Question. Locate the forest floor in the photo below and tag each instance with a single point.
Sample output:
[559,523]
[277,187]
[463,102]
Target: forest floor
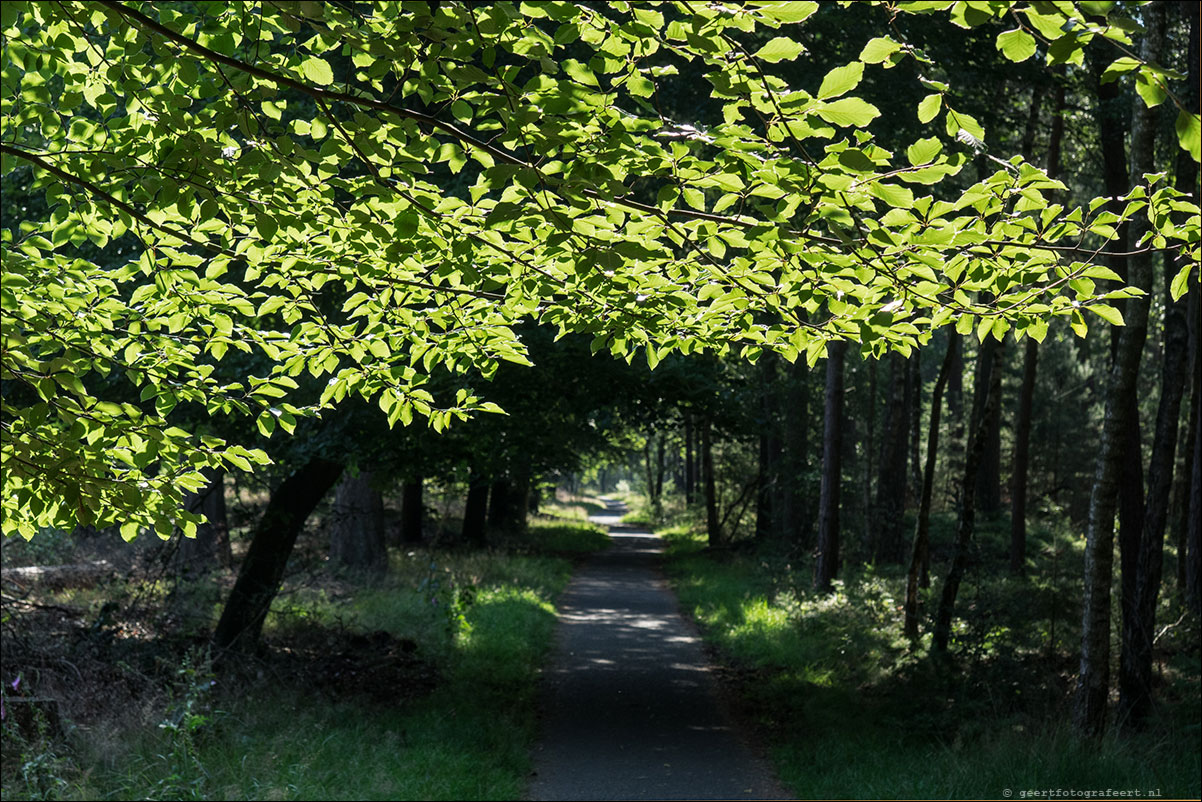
[632,706]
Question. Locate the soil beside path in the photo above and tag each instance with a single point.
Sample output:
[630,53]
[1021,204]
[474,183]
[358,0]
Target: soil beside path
[631,707]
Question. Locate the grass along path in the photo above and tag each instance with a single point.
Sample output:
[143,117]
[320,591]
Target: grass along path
[420,686]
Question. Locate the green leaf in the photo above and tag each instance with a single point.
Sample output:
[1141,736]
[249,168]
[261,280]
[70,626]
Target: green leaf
[1120,66]
[851,111]
[778,49]
[928,107]
[924,151]
[786,11]
[317,71]
[1180,283]
[1107,313]
[1189,133]
[1016,45]
[878,49]
[841,80]
[1150,88]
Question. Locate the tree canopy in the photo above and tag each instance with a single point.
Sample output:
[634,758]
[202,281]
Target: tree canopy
[363,192]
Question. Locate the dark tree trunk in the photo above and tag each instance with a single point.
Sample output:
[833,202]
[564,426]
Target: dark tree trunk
[1189,549]
[1093,681]
[1026,393]
[769,456]
[914,390]
[357,526]
[263,568]
[796,526]
[989,473]
[827,566]
[990,388]
[868,541]
[690,473]
[475,511]
[891,476]
[661,467]
[211,546]
[1135,664]
[1193,564]
[920,556]
[1022,460]
[412,511]
[500,504]
[713,527]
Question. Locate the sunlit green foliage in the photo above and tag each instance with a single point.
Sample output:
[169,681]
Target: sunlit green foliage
[361,194]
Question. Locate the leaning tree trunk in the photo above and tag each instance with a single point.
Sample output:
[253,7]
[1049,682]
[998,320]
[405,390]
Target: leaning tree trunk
[1093,681]
[990,388]
[1135,664]
[832,470]
[263,568]
[357,526]
[920,556]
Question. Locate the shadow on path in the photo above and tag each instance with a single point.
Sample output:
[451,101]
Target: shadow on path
[631,708]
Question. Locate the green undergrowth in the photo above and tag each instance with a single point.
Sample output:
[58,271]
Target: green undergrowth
[850,708]
[418,685]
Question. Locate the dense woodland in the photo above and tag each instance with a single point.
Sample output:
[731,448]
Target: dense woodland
[324,326]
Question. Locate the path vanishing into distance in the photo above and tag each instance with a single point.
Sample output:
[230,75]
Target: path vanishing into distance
[631,707]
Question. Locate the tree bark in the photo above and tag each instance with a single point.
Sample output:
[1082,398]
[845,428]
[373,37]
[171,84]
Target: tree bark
[989,472]
[832,470]
[357,526]
[989,386]
[891,478]
[796,525]
[1093,681]
[475,510]
[690,474]
[769,456]
[263,568]
[1135,663]
[412,511]
[1022,461]
[920,555]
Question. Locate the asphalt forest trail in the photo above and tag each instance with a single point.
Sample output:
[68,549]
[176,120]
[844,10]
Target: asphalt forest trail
[631,707]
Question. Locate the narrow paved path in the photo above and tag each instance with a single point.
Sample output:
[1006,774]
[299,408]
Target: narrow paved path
[631,708]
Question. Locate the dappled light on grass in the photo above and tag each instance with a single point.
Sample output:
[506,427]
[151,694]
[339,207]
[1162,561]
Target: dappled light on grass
[850,707]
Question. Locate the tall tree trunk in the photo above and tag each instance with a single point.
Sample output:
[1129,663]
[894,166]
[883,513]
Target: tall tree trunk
[690,474]
[989,472]
[357,525]
[500,504]
[989,386]
[1093,682]
[769,456]
[713,527]
[796,525]
[1026,394]
[412,511]
[832,469]
[263,568]
[1022,461]
[914,389]
[869,538]
[1135,664]
[660,468]
[891,476]
[475,510]
[1189,544]
[211,546]
[920,556]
